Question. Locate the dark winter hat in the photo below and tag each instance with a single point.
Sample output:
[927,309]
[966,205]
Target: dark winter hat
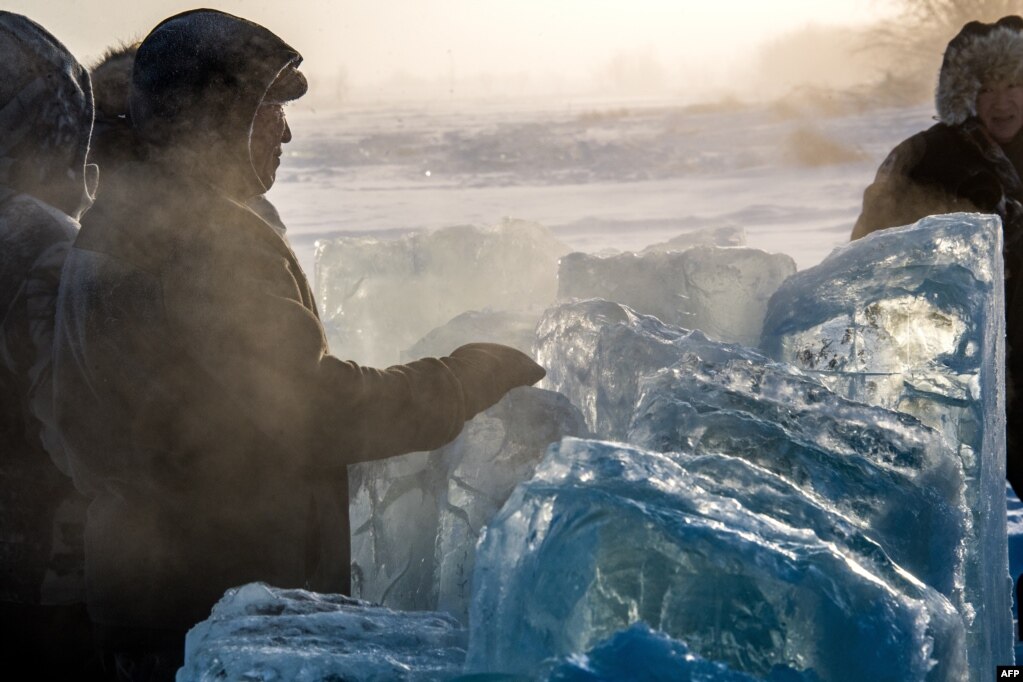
[290,85]
[979,53]
[198,79]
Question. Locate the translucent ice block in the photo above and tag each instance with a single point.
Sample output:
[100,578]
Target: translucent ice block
[912,318]
[639,654]
[512,328]
[721,291]
[606,535]
[595,353]
[893,478]
[378,297]
[416,518]
[258,632]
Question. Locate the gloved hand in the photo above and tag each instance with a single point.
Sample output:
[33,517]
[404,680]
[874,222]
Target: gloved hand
[489,370]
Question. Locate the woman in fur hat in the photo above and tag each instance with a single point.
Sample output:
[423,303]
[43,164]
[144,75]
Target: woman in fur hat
[971,160]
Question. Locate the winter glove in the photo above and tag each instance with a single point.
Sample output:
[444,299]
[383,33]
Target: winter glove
[489,370]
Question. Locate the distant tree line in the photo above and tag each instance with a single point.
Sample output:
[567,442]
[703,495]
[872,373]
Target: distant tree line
[920,30]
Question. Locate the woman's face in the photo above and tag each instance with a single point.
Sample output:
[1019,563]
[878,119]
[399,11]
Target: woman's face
[1000,109]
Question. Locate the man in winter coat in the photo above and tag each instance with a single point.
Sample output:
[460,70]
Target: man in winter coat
[46,116]
[113,138]
[971,160]
[200,408]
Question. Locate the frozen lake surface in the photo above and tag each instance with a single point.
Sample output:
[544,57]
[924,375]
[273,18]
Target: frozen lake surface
[601,176]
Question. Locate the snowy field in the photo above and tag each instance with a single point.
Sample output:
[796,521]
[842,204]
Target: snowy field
[599,175]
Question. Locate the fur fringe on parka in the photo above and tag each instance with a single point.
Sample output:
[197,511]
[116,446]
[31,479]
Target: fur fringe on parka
[111,80]
[113,140]
[979,53]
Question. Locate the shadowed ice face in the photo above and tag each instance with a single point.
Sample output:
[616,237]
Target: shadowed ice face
[269,132]
[1000,109]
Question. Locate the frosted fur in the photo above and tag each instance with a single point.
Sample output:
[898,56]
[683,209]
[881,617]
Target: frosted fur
[995,56]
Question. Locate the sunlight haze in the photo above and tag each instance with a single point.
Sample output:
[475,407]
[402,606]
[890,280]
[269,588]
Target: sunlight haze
[524,47]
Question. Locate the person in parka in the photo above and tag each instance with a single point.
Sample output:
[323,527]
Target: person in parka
[46,114]
[201,409]
[971,160]
[114,142]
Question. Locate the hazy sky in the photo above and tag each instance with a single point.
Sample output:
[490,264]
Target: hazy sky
[372,40]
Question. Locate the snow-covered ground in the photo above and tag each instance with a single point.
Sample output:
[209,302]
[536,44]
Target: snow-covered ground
[600,175]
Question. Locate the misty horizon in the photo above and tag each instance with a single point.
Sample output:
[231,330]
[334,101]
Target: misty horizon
[452,50]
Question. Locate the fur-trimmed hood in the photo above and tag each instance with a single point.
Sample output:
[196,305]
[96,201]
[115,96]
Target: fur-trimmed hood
[980,52]
[111,80]
[113,139]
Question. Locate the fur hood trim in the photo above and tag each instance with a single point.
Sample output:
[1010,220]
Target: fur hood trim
[979,53]
[111,80]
